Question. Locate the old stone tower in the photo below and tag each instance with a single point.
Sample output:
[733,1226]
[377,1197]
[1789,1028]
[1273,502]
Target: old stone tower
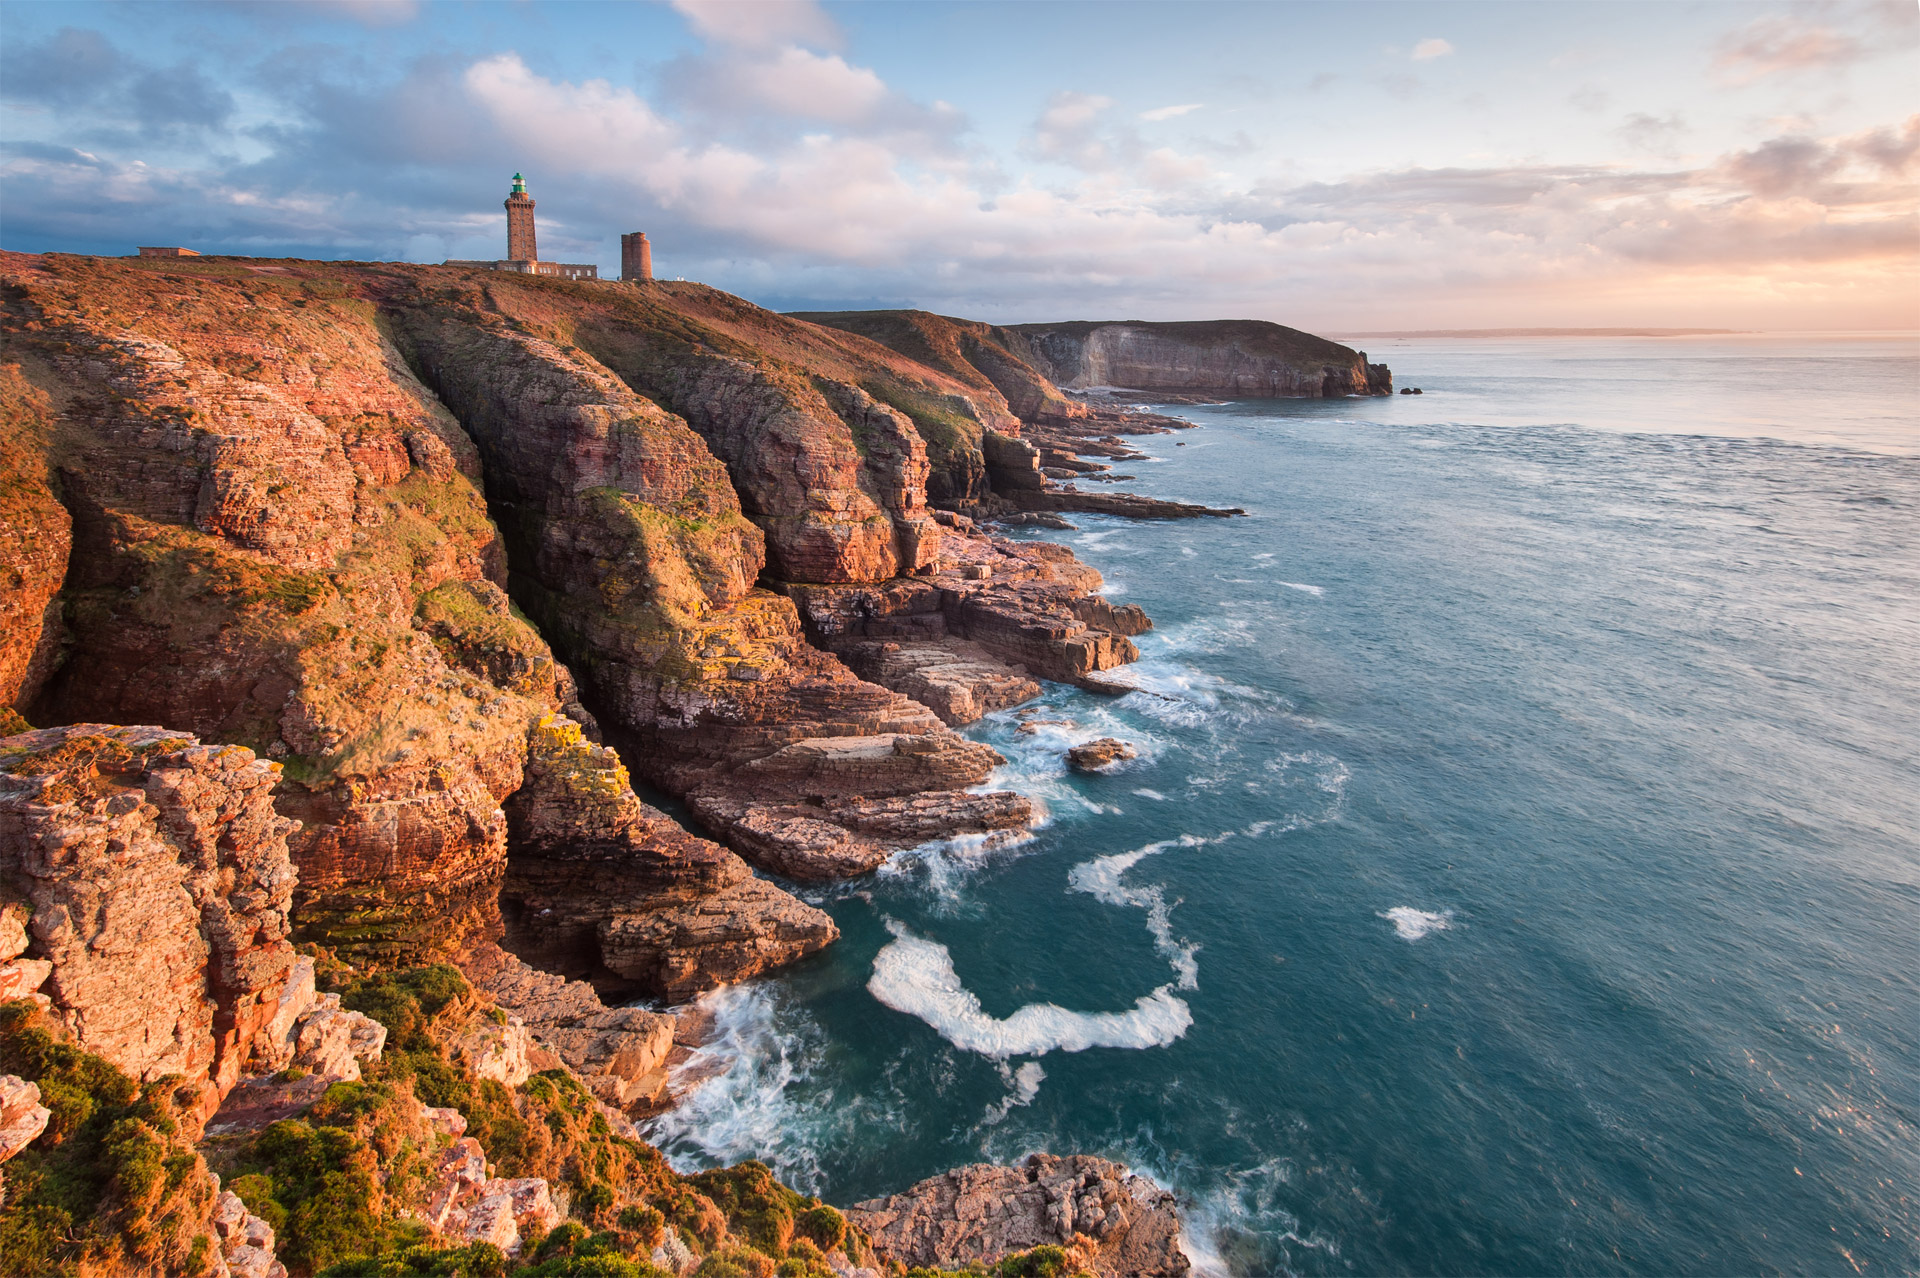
[520,245]
[636,257]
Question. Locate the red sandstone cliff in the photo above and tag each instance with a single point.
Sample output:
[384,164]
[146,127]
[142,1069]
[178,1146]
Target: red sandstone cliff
[282,543]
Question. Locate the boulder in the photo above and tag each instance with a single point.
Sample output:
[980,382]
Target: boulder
[22,1116]
[1095,756]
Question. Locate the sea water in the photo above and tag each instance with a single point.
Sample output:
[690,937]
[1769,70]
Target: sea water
[1520,873]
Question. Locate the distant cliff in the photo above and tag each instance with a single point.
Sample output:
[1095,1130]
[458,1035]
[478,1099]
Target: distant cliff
[1239,359]
[1029,364]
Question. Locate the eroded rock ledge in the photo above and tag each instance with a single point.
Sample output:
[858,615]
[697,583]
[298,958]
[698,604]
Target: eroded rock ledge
[1113,1221]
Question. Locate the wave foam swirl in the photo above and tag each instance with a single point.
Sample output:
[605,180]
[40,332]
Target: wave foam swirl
[914,975]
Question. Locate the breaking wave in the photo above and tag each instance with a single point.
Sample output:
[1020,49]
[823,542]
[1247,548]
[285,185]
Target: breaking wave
[740,1100]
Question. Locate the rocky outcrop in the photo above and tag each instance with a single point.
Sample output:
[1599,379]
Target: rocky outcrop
[711,684]
[955,678]
[620,1053]
[1096,756]
[1002,365]
[246,1241]
[1228,359]
[22,1116]
[601,884]
[158,879]
[1030,605]
[1123,1225]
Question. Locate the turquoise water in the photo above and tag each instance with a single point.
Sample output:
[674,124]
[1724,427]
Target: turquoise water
[1521,873]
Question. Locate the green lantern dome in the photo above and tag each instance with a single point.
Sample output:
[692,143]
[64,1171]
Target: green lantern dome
[519,185]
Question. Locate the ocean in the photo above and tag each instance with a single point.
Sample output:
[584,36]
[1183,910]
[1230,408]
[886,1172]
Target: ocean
[1521,870]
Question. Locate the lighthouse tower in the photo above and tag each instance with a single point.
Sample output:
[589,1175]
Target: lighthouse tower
[520,246]
[522,255]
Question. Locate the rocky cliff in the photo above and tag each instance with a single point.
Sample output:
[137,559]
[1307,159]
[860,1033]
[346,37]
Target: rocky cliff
[1030,364]
[1227,359]
[369,520]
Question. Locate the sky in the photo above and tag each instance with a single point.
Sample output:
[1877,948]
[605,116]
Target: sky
[1333,166]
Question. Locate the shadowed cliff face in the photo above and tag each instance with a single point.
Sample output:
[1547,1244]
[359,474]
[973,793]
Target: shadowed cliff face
[35,537]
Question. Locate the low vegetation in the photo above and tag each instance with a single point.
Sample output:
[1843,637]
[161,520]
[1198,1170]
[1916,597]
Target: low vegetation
[111,1187]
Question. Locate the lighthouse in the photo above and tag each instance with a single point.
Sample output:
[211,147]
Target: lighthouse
[520,245]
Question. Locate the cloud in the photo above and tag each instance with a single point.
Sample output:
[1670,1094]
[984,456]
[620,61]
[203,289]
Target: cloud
[821,180]
[1589,97]
[760,24]
[1069,132]
[1645,132]
[1896,151]
[1168,112]
[81,69]
[1776,45]
[1795,44]
[793,82]
[1428,50]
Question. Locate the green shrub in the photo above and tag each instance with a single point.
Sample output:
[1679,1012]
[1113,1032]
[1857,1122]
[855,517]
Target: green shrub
[476,1260]
[1045,1261]
[822,1225]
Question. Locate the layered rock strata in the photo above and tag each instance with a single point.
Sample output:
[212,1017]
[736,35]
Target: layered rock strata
[158,880]
[1029,606]
[1121,1225]
[601,883]
[631,550]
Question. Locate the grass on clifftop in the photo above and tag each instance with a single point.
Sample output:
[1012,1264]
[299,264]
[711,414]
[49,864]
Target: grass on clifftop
[111,1187]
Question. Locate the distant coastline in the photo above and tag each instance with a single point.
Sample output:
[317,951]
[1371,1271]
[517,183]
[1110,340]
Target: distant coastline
[1550,332]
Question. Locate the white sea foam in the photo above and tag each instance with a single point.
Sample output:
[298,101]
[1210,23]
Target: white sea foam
[1267,555]
[1023,1085]
[1101,879]
[945,865]
[1304,588]
[1410,924]
[914,975]
[1145,793]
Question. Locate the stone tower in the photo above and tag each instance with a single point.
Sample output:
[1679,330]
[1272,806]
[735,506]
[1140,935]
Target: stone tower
[636,257]
[520,247]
